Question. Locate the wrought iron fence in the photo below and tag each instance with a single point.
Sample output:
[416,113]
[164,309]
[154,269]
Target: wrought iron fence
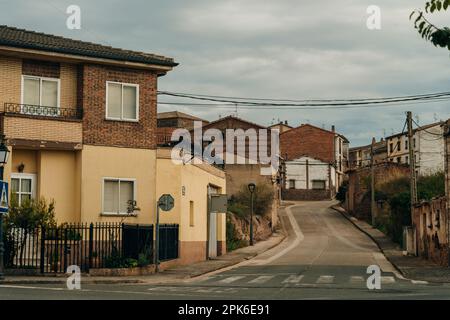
[99,245]
[168,241]
[44,111]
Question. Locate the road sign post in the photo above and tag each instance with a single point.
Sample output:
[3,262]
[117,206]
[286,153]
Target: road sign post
[165,203]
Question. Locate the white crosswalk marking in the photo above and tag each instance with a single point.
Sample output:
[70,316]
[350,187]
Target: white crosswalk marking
[387,280]
[231,279]
[356,279]
[261,279]
[325,279]
[293,279]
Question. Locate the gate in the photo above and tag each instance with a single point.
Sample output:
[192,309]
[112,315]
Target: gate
[138,242]
[168,241]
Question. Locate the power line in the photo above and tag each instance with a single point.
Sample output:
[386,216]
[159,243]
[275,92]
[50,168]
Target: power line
[421,128]
[300,107]
[301,100]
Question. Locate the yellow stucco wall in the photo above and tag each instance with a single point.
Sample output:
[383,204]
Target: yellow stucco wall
[99,162]
[194,180]
[26,157]
[56,180]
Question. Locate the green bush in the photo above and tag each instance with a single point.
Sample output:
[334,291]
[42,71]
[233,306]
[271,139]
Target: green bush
[241,202]
[397,194]
[233,242]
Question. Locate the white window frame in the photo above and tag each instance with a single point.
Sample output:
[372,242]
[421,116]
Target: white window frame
[58,98]
[104,179]
[28,176]
[121,108]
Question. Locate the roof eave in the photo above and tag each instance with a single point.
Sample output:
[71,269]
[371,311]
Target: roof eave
[51,55]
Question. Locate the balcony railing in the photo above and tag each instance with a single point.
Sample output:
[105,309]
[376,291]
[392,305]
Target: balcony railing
[43,111]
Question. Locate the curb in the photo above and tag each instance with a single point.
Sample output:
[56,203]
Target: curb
[250,257]
[346,216]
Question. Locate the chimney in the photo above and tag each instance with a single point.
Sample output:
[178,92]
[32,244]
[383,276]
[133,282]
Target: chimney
[333,128]
[285,122]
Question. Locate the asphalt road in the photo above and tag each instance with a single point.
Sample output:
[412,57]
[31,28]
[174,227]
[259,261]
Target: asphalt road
[323,257]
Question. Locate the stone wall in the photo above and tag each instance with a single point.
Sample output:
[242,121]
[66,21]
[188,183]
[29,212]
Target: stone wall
[358,196]
[430,220]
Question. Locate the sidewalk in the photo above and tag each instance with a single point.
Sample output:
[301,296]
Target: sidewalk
[174,274]
[414,268]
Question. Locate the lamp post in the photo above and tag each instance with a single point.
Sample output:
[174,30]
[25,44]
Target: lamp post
[4,152]
[251,188]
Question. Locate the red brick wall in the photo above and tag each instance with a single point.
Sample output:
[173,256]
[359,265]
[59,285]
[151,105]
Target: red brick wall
[307,140]
[99,131]
[40,68]
[234,123]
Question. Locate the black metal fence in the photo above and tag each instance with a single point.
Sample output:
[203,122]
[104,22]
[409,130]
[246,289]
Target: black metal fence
[99,245]
[168,241]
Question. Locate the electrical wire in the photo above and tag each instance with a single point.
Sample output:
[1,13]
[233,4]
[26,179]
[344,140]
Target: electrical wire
[208,97]
[292,107]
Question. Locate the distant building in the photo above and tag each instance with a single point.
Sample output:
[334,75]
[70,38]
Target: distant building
[238,176]
[361,156]
[315,162]
[281,126]
[167,122]
[428,144]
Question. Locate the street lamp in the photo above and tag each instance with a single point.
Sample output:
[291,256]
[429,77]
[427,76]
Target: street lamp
[251,188]
[4,152]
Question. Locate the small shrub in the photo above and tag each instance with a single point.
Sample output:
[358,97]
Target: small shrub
[233,242]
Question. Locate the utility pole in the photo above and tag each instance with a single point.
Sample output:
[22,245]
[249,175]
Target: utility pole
[447,180]
[373,205]
[412,164]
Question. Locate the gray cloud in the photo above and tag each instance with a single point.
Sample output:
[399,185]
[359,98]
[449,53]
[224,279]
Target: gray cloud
[284,49]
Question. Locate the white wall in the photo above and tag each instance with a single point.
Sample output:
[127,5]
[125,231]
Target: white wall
[318,170]
[430,150]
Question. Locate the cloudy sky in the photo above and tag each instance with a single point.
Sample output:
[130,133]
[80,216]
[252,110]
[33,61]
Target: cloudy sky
[290,49]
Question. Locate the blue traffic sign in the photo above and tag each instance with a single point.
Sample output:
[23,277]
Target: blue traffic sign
[4,197]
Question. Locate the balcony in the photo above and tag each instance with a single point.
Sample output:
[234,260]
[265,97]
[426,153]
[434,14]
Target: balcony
[39,127]
[42,111]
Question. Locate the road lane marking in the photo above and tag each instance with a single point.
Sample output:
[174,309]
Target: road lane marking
[299,237]
[419,282]
[387,280]
[325,279]
[293,279]
[356,279]
[261,279]
[31,288]
[231,279]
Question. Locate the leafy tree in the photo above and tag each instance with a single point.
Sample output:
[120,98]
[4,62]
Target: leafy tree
[439,36]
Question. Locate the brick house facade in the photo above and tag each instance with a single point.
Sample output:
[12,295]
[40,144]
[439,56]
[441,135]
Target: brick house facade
[80,121]
[327,147]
